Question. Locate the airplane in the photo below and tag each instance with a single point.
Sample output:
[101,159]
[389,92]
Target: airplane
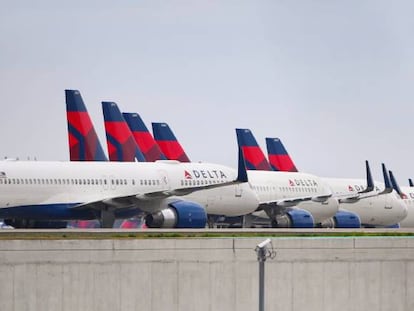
[36,191]
[407,195]
[299,192]
[372,209]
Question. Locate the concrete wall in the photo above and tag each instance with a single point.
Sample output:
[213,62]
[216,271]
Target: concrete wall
[207,274]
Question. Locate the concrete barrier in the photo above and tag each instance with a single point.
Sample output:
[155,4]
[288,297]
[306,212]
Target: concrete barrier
[207,274]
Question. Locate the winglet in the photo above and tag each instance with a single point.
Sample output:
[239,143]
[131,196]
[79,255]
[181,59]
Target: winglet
[396,186]
[253,155]
[410,182]
[370,181]
[143,137]
[84,143]
[121,143]
[388,186]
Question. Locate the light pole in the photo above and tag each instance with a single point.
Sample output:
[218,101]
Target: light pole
[263,253]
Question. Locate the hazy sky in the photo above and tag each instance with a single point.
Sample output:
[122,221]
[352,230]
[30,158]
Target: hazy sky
[333,79]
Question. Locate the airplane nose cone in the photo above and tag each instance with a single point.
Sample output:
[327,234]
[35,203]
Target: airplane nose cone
[404,208]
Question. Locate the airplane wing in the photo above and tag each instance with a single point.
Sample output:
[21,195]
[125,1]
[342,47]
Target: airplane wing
[119,202]
[369,191]
[289,202]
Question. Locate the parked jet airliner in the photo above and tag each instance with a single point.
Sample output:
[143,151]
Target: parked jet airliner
[407,195]
[108,190]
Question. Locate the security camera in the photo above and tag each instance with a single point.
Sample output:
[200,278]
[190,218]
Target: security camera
[264,243]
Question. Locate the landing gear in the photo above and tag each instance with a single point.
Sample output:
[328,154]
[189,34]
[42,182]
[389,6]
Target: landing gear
[107,218]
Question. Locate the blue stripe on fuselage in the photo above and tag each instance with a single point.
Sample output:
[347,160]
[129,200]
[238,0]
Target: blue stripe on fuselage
[60,211]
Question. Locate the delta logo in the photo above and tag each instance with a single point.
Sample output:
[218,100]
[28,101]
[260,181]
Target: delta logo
[187,175]
[206,174]
[303,183]
[356,188]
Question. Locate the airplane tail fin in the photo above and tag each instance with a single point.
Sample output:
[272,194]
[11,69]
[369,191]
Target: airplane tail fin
[84,143]
[253,155]
[410,182]
[121,142]
[168,143]
[143,137]
[279,158]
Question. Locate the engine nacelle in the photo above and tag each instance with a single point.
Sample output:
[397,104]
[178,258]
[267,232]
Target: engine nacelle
[295,218]
[343,219]
[178,214]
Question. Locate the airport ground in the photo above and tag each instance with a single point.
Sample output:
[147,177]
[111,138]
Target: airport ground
[319,269]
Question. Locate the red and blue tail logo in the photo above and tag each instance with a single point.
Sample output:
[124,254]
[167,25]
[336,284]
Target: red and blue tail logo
[279,159]
[84,144]
[143,137]
[253,156]
[168,143]
[121,143]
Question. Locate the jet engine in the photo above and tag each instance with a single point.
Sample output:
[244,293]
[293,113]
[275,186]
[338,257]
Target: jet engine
[178,214]
[294,218]
[343,219]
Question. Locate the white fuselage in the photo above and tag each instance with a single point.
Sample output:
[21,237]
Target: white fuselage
[381,210]
[274,185]
[408,222]
[26,183]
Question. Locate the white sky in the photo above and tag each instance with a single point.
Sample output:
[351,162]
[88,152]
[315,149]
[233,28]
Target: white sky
[333,79]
